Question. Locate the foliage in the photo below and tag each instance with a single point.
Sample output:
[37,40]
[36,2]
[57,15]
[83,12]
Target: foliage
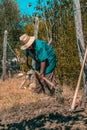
[84,19]
[29,29]
[10,14]
[64,42]
[61,22]
[9,20]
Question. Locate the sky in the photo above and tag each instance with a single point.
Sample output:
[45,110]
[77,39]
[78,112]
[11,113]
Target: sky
[23,6]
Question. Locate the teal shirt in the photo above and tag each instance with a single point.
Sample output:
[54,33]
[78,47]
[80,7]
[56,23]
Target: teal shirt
[42,51]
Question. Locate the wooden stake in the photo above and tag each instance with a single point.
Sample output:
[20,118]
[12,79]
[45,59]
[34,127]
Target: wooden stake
[4,55]
[23,83]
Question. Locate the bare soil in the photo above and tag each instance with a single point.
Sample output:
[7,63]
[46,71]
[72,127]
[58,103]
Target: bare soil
[22,109]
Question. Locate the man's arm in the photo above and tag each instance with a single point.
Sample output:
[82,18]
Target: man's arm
[42,67]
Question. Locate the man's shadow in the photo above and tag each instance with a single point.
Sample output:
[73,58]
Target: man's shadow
[39,122]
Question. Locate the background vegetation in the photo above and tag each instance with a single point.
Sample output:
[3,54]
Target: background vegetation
[56,26]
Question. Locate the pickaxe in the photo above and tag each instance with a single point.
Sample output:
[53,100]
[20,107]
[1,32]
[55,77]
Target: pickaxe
[44,78]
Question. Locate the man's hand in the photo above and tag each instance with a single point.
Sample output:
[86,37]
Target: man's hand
[41,77]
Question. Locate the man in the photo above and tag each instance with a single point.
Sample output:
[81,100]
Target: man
[45,61]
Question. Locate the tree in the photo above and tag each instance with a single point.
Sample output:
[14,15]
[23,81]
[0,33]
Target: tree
[47,12]
[10,13]
[9,20]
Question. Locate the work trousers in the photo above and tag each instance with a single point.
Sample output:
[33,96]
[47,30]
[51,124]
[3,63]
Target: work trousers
[42,86]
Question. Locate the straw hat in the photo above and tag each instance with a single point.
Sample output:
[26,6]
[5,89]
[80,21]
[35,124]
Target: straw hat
[26,40]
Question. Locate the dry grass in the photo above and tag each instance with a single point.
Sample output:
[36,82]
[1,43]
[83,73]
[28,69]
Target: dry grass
[69,92]
[11,95]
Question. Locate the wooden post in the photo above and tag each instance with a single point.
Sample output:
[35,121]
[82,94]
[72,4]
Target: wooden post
[4,55]
[36,35]
[36,27]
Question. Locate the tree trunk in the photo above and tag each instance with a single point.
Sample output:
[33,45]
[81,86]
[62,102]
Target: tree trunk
[4,55]
[36,35]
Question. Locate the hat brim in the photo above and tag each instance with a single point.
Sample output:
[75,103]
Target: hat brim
[28,44]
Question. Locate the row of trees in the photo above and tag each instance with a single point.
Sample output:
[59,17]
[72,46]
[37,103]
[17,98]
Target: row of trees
[56,26]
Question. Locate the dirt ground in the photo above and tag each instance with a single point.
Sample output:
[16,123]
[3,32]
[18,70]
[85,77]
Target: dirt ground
[22,109]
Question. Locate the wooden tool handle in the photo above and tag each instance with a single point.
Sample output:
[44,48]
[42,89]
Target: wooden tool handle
[79,80]
[23,83]
[45,79]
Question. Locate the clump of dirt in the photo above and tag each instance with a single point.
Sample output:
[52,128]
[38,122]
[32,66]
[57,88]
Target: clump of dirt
[22,109]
